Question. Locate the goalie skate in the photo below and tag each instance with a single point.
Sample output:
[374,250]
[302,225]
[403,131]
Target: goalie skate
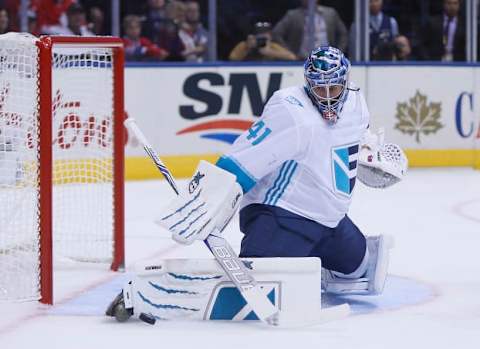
[117,309]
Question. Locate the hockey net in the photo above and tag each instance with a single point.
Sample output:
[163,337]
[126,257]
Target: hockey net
[61,158]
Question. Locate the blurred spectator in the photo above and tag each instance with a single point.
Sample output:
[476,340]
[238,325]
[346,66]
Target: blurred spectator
[384,51]
[175,10]
[138,48]
[193,34]
[96,23]
[32,23]
[260,47]
[156,15]
[12,8]
[403,49]
[397,50]
[4,21]
[383,30]
[76,23]
[51,14]
[292,31]
[444,36]
[162,30]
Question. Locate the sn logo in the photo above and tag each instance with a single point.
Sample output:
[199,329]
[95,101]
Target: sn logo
[239,83]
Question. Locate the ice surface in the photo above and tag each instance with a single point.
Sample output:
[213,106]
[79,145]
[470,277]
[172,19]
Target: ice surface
[434,215]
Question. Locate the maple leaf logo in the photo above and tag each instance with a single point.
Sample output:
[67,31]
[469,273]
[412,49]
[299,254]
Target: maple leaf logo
[416,117]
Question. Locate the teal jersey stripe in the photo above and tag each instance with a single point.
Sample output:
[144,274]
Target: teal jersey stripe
[270,191]
[245,179]
[279,185]
[291,171]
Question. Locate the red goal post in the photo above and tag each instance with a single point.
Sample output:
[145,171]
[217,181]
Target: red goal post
[45,45]
[66,153]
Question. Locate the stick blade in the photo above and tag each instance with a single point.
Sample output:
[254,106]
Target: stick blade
[324,316]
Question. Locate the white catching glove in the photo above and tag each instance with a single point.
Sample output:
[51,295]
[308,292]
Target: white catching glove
[380,164]
[209,201]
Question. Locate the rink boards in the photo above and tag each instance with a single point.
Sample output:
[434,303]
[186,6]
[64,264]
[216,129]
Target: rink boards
[193,112]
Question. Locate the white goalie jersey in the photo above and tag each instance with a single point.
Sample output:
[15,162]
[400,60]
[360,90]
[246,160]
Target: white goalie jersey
[294,159]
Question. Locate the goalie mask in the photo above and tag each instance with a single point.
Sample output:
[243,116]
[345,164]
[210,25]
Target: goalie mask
[326,77]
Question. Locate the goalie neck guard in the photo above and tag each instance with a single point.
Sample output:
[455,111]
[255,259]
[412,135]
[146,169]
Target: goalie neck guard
[326,77]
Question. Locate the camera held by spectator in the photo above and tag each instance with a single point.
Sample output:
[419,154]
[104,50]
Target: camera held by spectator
[397,50]
[259,46]
[403,49]
[261,40]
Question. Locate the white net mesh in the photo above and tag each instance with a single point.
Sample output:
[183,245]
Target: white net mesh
[19,253]
[83,153]
[83,195]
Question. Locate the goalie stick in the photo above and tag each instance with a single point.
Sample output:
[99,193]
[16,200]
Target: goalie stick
[232,265]
[222,251]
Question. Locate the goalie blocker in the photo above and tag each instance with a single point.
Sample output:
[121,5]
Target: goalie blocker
[198,289]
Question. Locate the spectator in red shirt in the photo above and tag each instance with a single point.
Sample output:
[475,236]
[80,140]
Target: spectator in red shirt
[50,13]
[76,23]
[138,48]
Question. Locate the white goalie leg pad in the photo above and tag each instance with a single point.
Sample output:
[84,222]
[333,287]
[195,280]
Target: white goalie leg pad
[372,281]
[198,289]
[379,248]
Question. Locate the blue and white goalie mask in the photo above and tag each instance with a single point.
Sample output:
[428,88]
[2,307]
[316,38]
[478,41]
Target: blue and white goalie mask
[326,77]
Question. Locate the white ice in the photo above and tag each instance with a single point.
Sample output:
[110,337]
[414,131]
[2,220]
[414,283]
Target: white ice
[434,215]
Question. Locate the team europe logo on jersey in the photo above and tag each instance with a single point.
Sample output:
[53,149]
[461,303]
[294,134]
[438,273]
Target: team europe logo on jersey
[344,168]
